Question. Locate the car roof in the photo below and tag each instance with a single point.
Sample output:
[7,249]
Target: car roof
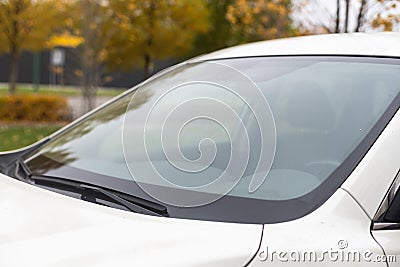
[384,44]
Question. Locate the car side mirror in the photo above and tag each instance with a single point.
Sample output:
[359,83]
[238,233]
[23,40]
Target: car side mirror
[388,215]
[393,212]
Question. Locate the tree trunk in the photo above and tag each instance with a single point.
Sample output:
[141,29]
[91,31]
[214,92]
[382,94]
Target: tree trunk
[13,73]
[149,43]
[89,99]
[360,19]
[147,65]
[89,55]
[337,28]
[90,83]
[346,24]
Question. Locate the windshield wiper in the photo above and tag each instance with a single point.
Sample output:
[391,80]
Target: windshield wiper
[8,158]
[151,207]
[89,192]
[22,171]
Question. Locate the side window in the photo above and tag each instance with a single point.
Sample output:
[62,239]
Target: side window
[388,215]
[393,212]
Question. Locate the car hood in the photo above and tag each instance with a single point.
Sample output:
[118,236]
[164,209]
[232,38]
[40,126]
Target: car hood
[43,228]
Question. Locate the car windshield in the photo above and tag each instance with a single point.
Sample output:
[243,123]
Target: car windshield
[251,140]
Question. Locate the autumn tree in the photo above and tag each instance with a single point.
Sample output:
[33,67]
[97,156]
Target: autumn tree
[96,30]
[153,30]
[314,16]
[387,15]
[89,22]
[219,33]
[254,20]
[25,25]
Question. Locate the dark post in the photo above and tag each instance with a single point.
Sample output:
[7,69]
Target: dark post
[36,71]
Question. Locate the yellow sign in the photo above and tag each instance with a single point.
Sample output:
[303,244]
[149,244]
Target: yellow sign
[65,40]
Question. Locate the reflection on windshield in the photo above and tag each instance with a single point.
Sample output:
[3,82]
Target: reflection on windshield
[63,157]
[322,109]
[89,133]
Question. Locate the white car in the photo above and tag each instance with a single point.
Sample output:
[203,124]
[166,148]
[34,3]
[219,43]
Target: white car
[265,154]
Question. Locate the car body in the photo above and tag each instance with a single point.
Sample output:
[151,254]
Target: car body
[312,130]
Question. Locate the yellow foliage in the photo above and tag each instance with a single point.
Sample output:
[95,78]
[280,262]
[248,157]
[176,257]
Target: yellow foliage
[154,28]
[33,108]
[388,18]
[260,19]
[27,24]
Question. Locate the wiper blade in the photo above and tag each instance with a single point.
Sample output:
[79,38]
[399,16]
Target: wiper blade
[160,211]
[91,193]
[132,203]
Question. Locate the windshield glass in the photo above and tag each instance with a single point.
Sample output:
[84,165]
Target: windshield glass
[263,133]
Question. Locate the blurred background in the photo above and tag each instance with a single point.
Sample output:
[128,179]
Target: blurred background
[61,58]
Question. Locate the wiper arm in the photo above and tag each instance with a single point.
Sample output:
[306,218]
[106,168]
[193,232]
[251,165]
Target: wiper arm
[88,193]
[161,211]
[22,172]
[6,158]
[132,203]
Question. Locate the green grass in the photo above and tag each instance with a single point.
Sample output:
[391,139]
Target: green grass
[13,137]
[62,91]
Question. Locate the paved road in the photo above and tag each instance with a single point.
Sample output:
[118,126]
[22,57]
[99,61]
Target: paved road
[76,104]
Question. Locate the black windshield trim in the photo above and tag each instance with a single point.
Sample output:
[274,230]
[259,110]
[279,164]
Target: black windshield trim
[333,57]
